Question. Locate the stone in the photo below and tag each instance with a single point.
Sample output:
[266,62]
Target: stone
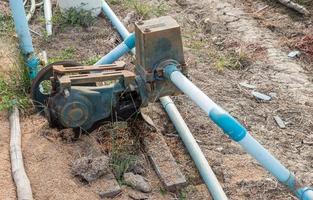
[90,169]
[137,195]
[294,54]
[261,96]
[246,85]
[182,2]
[279,122]
[110,192]
[137,182]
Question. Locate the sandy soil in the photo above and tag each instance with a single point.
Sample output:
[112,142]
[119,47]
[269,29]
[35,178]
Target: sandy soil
[7,187]
[211,29]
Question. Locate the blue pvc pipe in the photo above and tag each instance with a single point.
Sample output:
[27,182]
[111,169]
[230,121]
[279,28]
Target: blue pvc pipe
[22,30]
[237,132]
[114,20]
[119,51]
[21,26]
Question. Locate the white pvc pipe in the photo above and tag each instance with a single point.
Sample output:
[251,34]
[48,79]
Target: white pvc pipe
[194,150]
[48,16]
[197,96]
[257,151]
[24,191]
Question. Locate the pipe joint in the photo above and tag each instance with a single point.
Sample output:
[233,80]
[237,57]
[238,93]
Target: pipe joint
[168,70]
[130,41]
[305,193]
[228,124]
[32,63]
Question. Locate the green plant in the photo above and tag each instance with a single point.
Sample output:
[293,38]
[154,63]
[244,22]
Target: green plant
[114,2]
[182,195]
[65,54]
[121,163]
[73,17]
[236,60]
[6,23]
[14,89]
[91,60]
[145,10]
[163,191]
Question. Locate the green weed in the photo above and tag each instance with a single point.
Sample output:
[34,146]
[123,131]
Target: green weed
[236,60]
[66,54]
[14,89]
[91,60]
[73,17]
[182,195]
[6,24]
[143,9]
[121,163]
[163,191]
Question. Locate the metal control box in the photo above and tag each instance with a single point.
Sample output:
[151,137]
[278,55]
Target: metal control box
[157,40]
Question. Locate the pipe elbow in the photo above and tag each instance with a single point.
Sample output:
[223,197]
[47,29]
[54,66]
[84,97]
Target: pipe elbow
[228,124]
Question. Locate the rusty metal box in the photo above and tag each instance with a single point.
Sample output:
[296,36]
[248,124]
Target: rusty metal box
[157,40]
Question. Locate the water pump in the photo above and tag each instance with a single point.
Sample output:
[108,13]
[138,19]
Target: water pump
[82,95]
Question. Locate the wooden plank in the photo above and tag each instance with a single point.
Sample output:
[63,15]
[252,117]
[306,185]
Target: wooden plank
[161,158]
[68,80]
[60,69]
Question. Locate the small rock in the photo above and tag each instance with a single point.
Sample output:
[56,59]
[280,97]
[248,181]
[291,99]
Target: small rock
[280,122]
[207,25]
[112,192]
[137,182]
[261,96]
[138,195]
[273,94]
[91,169]
[308,142]
[138,169]
[182,2]
[294,54]
[219,149]
[246,85]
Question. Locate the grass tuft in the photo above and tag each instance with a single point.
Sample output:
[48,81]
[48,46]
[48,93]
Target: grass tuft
[236,60]
[14,89]
[65,54]
[6,24]
[143,9]
[73,17]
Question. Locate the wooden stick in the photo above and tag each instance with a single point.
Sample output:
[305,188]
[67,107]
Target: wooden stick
[295,6]
[21,180]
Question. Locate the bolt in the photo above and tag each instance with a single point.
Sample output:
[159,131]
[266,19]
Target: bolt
[147,30]
[66,93]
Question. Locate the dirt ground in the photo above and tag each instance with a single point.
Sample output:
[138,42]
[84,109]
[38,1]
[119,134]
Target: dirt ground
[263,33]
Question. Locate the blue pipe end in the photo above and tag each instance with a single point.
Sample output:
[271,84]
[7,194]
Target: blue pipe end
[228,124]
[32,63]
